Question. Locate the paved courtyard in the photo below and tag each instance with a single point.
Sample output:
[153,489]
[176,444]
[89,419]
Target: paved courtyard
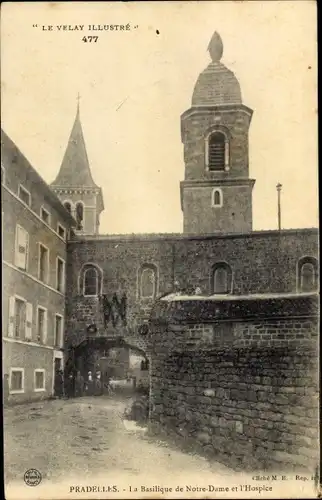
[86,441]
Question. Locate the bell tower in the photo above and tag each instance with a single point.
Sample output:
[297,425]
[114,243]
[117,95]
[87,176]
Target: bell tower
[74,184]
[216,194]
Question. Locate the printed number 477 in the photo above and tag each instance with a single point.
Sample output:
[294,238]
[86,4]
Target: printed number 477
[90,38]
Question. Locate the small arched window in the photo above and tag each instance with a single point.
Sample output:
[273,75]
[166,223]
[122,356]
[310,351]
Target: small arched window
[79,215]
[221,278]
[148,282]
[90,280]
[217,151]
[216,198]
[68,206]
[307,274]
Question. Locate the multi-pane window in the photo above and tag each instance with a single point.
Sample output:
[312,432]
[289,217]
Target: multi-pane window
[43,263]
[45,215]
[58,330]
[148,283]
[24,195]
[90,281]
[16,380]
[19,318]
[39,380]
[41,325]
[60,275]
[22,243]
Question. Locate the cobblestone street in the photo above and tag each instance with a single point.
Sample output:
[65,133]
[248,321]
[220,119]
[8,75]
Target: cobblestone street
[86,441]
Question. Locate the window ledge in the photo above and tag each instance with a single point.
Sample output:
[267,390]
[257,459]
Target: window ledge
[40,390]
[18,391]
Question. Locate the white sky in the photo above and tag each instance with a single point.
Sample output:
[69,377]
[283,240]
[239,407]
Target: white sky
[135,152]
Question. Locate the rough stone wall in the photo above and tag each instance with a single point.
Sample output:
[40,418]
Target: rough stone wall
[268,264]
[235,214]
[246,393]
[195,125]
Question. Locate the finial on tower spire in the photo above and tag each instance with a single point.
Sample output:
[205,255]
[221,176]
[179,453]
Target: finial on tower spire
[78,99]
[216,47]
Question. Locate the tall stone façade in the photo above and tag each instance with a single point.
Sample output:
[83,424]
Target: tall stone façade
[216,194]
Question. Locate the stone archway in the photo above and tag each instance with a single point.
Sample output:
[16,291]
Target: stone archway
[108,358]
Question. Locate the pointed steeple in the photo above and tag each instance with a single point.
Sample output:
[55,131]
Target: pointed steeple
[74,184]
[75,170]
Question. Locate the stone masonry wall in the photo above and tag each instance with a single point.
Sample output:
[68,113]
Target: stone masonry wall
[196,124]
[244,392]
[268,264]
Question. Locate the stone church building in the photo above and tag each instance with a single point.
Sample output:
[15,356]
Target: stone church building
[112,281]
[217,253]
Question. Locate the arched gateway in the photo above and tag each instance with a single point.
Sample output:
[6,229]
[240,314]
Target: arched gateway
[109,350]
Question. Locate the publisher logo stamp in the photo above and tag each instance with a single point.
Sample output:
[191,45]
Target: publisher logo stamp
[32,477]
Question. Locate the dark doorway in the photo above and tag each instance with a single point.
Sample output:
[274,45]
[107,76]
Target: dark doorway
[58,364]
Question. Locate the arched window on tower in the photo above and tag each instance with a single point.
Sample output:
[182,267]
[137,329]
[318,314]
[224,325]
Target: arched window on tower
[307,274]
[216,198]
[68,206]
[217,151]
[221,278]
[90,280]
[148,282]
[79,215]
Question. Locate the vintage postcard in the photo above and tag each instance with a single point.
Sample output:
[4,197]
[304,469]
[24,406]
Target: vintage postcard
[160,265]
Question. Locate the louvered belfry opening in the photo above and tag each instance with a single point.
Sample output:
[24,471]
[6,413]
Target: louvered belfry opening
[216,151]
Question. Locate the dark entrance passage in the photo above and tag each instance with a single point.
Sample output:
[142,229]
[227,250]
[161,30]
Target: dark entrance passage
[104,363]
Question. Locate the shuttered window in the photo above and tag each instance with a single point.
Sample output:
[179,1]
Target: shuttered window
[41,325]
[22,244]
[28,327]
[216,151]
[19,318]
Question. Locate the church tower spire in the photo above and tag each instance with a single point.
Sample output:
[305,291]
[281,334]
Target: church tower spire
[216,194]
[74,184]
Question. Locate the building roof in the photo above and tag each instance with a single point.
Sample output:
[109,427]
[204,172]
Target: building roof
[75,170]
[151,237]
[216,85]
[13,153]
